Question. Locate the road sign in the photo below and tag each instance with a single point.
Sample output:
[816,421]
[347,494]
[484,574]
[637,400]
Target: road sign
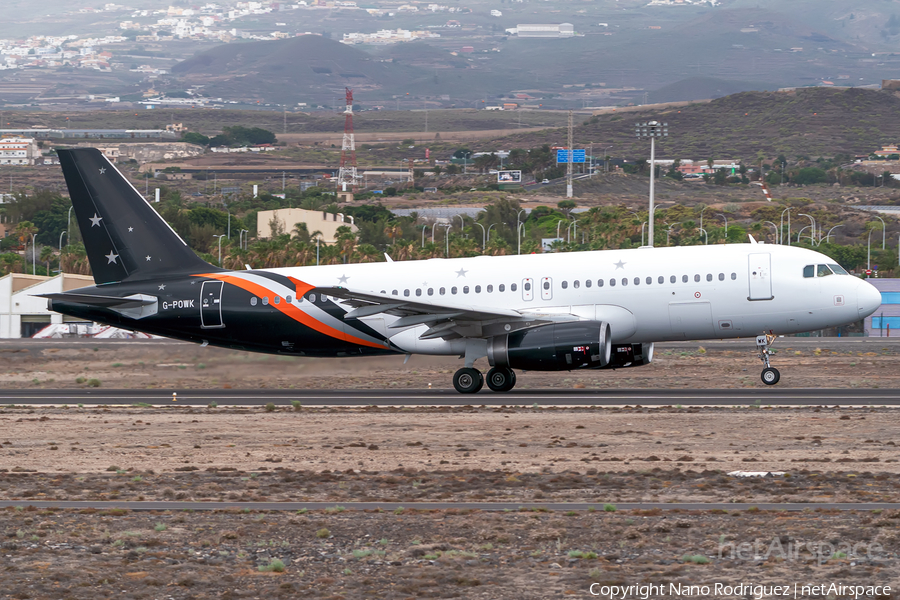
[509,176]
[578,156]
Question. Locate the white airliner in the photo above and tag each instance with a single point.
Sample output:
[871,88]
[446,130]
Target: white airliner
[548,312]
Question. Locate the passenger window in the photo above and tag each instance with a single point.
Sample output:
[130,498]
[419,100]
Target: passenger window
[418,292]
[637,281]
[612,283]
[501,287]
[490,289]
[587,283]
[277,299]
[709,276]
[312,298]
[431,291]
[661,280]
[599,283]
[575,284]
[733,276]
[253,301]
[823,271]
[673,279]
[453,290]
[547,285]
[624,281]
[684,279]
[721,276]
[649,280]
[838,269]
[512,287]
[477,289]
[394,293]
[697,277]
[527,286]
[465,289]
[266,299]
[288,299]
[565,284]
[406,292]
[443,291]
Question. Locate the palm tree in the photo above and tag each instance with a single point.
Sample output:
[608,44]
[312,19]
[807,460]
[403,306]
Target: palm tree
[46,255]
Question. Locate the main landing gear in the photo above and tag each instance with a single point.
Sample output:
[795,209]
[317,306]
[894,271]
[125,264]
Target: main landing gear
[770,375]
[469,380]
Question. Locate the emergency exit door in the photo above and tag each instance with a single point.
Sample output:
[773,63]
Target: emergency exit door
[211,304]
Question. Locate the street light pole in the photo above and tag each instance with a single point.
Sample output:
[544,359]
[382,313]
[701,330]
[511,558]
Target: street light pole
[447,237]
[653,130]
[828,237]
[62,233]
[812,224]
[33,255]
[483,237]
[520,228]
[774,226]
[492,224]
[781,228]
[883,231]
[801,231]
[517,229]
[701,216]
[705,237]
[869,251]
[726,226]
[643,225]
[69,224]
[220,248]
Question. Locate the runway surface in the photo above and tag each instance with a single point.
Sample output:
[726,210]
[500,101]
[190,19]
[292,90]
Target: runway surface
[391,506]
[549,397]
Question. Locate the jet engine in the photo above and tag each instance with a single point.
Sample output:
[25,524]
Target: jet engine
[630,355]
[553,347]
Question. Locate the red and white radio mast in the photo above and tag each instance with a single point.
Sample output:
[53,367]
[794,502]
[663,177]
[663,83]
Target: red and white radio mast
[347,177]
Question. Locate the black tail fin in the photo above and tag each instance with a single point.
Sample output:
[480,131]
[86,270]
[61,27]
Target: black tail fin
[124,237]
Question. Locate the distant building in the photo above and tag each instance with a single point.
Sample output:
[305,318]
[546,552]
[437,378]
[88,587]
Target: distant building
[885,320]
[887,150]
[285,219]
[545,31]
[22,314]
[18,151]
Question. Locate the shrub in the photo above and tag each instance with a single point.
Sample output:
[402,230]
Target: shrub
[270,407]
[296,404]
[160,527]
[609,507]
[323,533]
[213,404]
[697,559]
[275,566]
[93,382]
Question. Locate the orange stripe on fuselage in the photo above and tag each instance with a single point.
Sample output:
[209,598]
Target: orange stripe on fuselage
[289,309]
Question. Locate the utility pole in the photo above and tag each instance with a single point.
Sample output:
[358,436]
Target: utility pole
[571,156]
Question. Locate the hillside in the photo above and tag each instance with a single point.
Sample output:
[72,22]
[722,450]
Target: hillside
[809,121]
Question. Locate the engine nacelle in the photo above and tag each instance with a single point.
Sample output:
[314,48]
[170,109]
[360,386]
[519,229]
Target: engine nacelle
[630,355]
[553,347]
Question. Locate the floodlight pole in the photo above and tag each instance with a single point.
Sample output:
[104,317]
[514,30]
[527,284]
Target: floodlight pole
[571,158]
[653,130]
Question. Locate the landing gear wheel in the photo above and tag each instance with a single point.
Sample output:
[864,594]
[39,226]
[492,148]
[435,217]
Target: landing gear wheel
[770,376]
[468,380]
[501,379]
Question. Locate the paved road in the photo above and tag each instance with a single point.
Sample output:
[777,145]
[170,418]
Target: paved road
[504,506]
[549,397]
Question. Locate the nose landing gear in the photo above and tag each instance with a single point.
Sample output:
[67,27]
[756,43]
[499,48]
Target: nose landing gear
[770,374]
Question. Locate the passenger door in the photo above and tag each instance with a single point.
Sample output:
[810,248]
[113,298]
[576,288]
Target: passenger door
[760,276]
[211,305]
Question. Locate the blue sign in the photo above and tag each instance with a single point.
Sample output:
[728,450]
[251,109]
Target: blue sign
[578,156]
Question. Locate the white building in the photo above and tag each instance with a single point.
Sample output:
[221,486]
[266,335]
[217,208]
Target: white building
[285,219]
[18,151]
[546,30]
[22,314]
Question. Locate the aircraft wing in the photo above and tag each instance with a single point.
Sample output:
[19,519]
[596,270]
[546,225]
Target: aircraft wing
[446,320]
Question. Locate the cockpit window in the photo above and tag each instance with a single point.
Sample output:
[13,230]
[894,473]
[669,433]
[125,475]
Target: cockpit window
[823,271]
[838,269]
[809,271]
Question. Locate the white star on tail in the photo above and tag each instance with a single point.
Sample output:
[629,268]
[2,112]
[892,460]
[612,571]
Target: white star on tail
[162,286]
[102,170]
[95,220]
[111,257]
[148,259]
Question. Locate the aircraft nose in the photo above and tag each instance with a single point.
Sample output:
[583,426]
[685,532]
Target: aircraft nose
[868,299]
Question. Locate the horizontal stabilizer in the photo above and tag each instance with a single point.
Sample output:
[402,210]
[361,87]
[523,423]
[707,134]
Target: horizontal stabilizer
[133,301]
